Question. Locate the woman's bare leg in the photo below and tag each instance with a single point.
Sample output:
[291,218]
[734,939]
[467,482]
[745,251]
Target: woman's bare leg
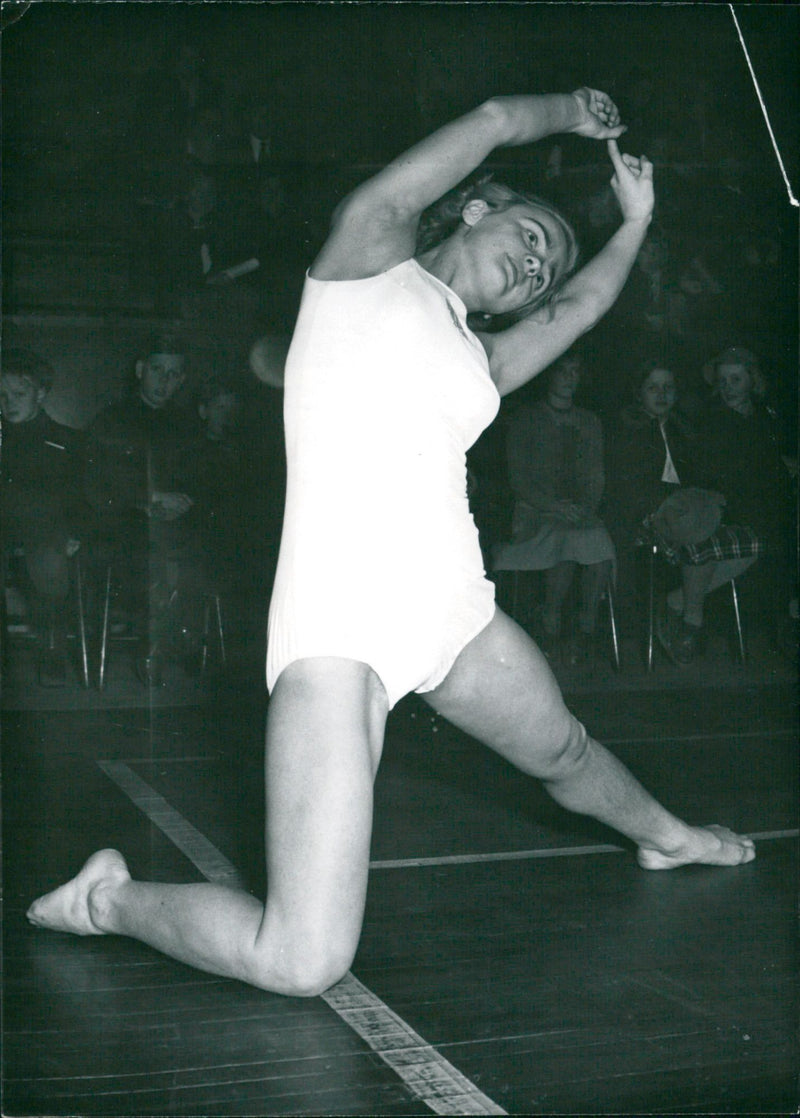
[502,692]
[324,741]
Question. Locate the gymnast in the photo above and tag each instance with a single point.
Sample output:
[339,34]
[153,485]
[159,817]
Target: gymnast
[380,588]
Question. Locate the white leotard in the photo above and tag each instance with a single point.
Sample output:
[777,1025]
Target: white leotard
[385,390]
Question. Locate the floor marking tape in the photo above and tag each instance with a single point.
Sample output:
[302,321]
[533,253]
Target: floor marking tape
[542,852]
[671,739]
[427,1074]
[187,838]
[499,856]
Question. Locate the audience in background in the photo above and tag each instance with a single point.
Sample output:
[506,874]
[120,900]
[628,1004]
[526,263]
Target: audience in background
[222,475]
[215,191]
[749,455]
[142,481]
[556,474]
[178,111]
[41,513]
[657,474]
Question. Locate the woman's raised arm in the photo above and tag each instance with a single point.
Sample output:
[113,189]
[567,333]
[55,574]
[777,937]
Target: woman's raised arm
[375,227]
[521,352]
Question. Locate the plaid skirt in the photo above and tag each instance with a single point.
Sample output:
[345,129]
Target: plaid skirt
[730,541]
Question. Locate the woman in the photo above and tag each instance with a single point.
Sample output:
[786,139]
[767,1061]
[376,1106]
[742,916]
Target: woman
[752,459]
[555,467]
[746,451]
[386,386]
[653,457]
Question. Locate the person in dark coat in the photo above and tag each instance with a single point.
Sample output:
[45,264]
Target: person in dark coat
[749,454]
[41,504]
[653,456]
[142,481]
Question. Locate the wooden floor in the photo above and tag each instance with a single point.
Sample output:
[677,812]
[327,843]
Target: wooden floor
[514,959]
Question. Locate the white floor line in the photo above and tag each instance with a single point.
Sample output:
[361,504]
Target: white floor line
[187,838]
[541,852]
[673,739]
[427,1074]
[498,856]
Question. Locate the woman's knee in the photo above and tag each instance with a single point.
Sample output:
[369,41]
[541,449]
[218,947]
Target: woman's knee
[303,966]
[563,747]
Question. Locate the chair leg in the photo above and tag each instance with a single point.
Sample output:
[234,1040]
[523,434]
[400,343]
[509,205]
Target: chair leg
[101,676]
[206,629]
[212,599]
[81,622]
[737,615]
[651,606]
[613,623]
[220,629]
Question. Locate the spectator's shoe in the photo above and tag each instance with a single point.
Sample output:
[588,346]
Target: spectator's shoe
[52,668]
[679,640]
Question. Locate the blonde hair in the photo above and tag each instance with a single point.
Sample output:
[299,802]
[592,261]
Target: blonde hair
[737,355]
[442,219]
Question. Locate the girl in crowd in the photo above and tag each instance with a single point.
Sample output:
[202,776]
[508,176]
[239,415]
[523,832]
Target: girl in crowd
[751,457]
[652,454]
[555,467]
[380,587]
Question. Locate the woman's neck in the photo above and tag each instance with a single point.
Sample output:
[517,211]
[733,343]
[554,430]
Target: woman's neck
[559,403]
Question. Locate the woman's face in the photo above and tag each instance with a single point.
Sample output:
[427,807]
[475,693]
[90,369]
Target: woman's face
[510,259]
[657,394]
[735,385]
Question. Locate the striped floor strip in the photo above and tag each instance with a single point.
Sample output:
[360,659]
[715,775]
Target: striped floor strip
[427,1074]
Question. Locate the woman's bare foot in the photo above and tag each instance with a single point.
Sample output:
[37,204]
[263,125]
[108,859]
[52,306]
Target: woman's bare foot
[708,846]
[67,909]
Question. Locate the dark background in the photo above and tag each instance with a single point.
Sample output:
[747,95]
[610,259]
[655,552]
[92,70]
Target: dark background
[348,86]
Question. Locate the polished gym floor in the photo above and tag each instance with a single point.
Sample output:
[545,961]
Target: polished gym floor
[514,958]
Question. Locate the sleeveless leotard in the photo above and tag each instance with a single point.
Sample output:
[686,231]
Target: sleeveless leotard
[386,389]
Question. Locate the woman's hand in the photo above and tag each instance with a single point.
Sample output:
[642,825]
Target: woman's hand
[632,184]
[599,116]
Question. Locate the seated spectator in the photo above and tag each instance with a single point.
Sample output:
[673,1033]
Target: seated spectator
[142,480]
[555,469]
[40,506]
[222,473]
[656,471]
[751,456]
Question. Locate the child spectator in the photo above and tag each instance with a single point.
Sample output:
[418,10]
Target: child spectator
[142,481]
[41,506]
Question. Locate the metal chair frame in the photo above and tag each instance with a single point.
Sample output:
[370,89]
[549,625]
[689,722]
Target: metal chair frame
[77,587]
[652,548]
[608,594]
[212,605]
